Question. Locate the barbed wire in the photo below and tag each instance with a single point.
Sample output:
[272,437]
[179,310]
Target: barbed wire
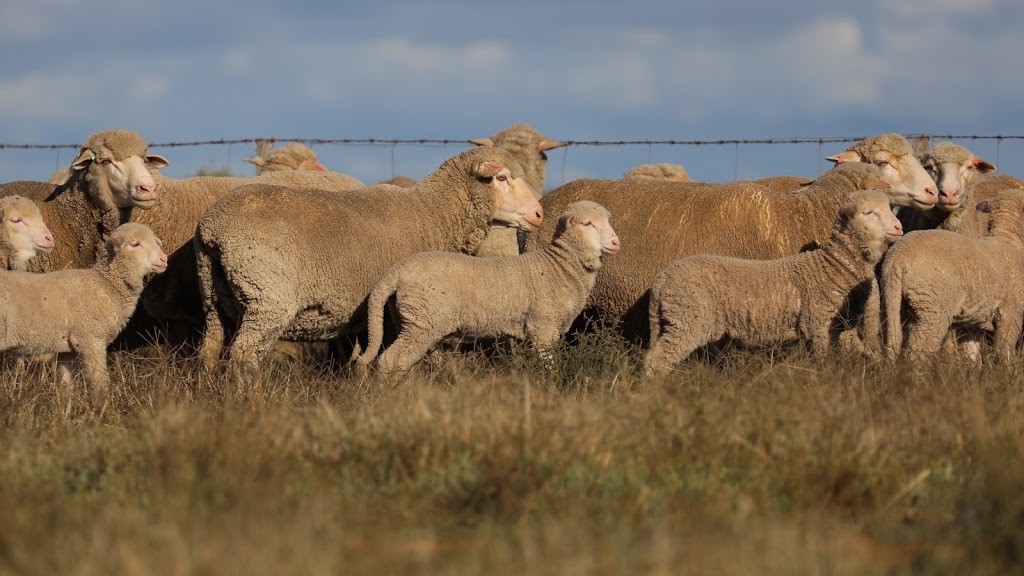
[450,141]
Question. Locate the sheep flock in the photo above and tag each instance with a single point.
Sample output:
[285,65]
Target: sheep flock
[892,253]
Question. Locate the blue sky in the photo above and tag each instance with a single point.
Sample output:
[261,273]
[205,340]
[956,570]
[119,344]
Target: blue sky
[455,69]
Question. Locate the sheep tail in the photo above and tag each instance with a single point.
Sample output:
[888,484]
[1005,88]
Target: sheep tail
[891,287]
[382,291]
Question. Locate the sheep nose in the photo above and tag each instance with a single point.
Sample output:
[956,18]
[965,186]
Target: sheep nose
[951,196]
[930,192]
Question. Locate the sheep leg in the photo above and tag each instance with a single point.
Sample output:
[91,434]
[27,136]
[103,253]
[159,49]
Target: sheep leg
[672,347]
[259,329]
[212,347]
[412,344]
[1008,326]
[926,335]
[94,364]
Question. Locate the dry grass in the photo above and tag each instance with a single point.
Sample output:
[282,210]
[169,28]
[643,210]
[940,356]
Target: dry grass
[760,463]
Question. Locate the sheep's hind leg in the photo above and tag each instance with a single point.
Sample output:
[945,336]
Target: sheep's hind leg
[412,344]
[671,348]
[926,334]
[260,327]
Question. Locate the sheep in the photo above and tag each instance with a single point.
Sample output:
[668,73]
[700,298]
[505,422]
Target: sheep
[291,156]
[299,264]
[956,172]
[111,175]
[661,170]
[532,297]
[660,222]
[898,164]
[80,311]
[935,279]
[23,234]
[700,299]
[529,147]
[400,181]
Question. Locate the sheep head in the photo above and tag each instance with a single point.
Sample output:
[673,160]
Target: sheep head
[515,204]
[868,217]
[137,244]
[117,167]
[23,234]
[954,170]
[909,182]
[591,222]
[528,147]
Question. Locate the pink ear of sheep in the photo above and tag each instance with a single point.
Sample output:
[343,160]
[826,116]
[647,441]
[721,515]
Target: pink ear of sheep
[549,144]
[85,157]
[488,169]
[847,156]
[984,167]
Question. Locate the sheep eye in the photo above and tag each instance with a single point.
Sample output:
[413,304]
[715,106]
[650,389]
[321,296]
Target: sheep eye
[501,177]
[136,244]
[16,220]
[883,163]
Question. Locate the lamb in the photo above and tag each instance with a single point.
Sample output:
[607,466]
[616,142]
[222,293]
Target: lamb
[956,172]
[700,299]
[283,262]
[291,156]
[529,147]
[661,170]
[935,279]
[532,297]
[660,222]
[111,175]
[23,234]
[80,311]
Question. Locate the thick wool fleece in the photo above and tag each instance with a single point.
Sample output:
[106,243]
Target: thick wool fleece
[661,170]
[700,299]
[532,297]
[932,279]
[660,222]
[299,264]
[291,156]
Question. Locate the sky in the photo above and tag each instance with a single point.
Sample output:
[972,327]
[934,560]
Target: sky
[594,70]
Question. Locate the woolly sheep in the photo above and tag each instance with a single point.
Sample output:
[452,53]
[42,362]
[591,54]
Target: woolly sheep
[660,222]
[532,297]
[23,234]
[282,262]
[400,181]
[80,311]
[661,170]
[529,147]
[700,299]
[110,176]
[956,172]
[291,156]
[933,279]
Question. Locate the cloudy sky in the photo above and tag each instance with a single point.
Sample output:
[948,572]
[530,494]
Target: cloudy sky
[456,69]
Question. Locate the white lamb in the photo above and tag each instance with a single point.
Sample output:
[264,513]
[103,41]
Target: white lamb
[77,313]
[533,296]
[698,300]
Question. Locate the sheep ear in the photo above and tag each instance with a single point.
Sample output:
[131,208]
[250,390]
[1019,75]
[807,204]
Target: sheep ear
[563,223]
[984,167]
[481,141]
[848,156]
[549,144]
[156,161]
[85,157]
[983,206]
[488,169]
[257,160]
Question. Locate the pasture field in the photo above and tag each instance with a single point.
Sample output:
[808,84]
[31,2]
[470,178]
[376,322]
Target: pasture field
[755,463]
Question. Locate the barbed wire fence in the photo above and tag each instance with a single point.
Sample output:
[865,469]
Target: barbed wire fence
[394,143]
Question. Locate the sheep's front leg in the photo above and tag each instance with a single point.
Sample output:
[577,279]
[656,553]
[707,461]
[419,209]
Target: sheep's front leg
[93,356]
[1009,326]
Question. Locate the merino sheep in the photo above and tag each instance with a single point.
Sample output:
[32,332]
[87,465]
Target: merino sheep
[532,297]
[660,222]
[400,181]
[23,234]
[111,175]
[956,172]
[898,164]
[529,147]
[80,311]
[660,171]
[935,279]
[291,156]
[700,299]
[282,262]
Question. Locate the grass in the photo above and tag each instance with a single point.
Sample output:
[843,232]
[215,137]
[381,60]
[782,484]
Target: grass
[499,463]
